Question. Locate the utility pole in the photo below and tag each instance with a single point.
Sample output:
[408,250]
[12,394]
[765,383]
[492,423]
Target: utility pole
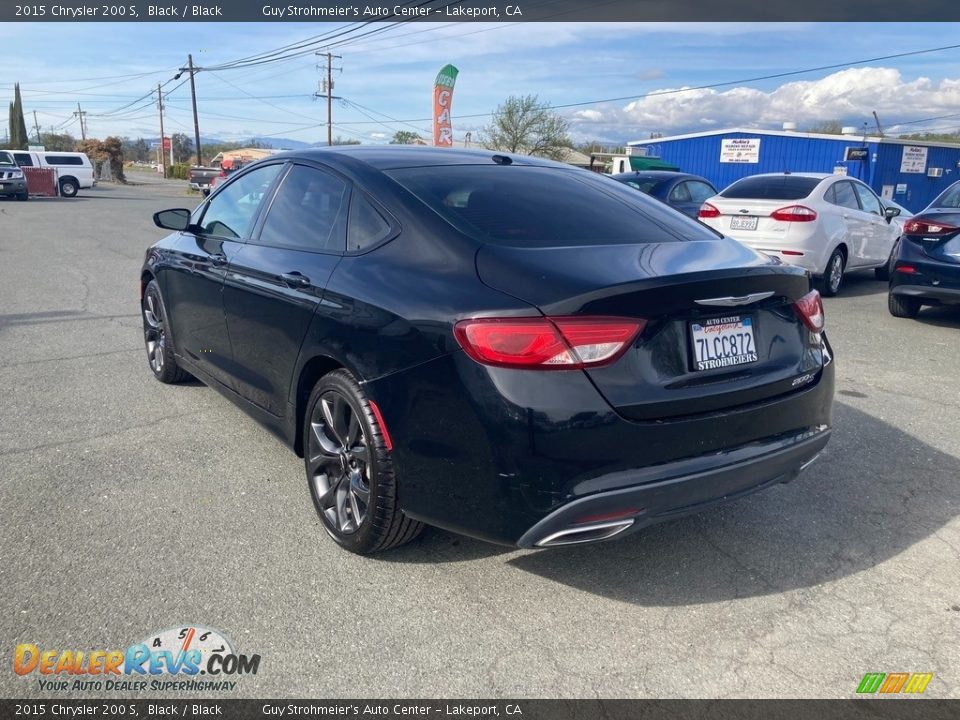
[327,87]
[160,105]
[83,128]
[37,126]
[193,94]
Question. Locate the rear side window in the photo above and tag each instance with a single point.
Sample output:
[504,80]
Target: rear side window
[523,206]
[63,160]
[309,212]
[842,194]
[367,226]
[771,187]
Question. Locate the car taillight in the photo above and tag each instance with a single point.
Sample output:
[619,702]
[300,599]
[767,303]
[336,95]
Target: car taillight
[708,211]
[810,309]
[906,269]
[558,343]
[794,213]
[925,227]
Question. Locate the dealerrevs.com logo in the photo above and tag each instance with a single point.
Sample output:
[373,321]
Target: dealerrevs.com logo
[187,658]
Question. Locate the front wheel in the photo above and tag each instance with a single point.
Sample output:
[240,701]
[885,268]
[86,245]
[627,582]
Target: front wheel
[350,471]
[23,197]
[157,338]
[833,276]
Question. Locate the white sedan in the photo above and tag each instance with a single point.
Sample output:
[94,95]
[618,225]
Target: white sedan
[828,224]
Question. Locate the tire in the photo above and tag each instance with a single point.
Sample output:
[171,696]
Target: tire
[902,306]
[157,338]
[23,197]
[349,469]
[69,187]
[832,279]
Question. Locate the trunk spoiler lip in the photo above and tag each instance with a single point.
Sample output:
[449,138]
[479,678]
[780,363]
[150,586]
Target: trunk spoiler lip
[735,301]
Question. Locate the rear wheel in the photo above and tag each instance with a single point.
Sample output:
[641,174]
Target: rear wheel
[833,276]
[69,187]
[902,306]
[157,338]
[349,469]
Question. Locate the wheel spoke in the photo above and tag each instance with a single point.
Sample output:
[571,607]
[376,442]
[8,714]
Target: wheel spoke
[343,519]
[327,493]
[353,429]
[354,507]
[150,313]
[358,489]
[360,453]
[326,445]
[329,410]
[341,409]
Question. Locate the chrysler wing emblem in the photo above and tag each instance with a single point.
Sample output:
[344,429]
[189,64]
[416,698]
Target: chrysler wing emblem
[733,301]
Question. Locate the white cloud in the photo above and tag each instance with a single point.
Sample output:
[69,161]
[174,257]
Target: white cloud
[849,95]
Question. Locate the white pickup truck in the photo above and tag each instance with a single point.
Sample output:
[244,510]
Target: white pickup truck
[74,169]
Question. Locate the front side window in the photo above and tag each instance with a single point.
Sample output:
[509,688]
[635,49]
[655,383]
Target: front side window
[24,159]
[231,212]
[868,201]
[308,212]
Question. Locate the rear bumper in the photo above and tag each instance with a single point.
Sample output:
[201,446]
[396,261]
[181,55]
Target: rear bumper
[681,488]
[938,293]
[510,457]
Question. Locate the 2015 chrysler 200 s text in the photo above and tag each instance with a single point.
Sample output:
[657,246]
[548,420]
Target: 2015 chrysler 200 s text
[498,345]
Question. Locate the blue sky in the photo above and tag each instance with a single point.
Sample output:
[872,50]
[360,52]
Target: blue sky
[391,74]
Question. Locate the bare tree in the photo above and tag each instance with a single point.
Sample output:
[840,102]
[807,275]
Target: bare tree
[525,125]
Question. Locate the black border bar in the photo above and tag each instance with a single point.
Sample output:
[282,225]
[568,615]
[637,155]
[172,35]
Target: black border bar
[478,11]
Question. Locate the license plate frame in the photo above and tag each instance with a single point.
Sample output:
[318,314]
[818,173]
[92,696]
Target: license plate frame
[744,222]
[709,351]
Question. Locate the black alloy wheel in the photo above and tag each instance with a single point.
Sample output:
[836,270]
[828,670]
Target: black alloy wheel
[350,471]
[157,339]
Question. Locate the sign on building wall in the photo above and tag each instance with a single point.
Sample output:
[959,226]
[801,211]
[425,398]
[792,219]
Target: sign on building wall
[740,150]
[914,159]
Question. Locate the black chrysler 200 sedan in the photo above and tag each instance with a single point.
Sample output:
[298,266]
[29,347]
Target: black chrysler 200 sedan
[498,345]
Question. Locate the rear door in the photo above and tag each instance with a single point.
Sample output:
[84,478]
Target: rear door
[275,283]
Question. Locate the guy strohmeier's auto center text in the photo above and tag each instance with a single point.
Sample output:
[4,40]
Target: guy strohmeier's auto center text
[391,11]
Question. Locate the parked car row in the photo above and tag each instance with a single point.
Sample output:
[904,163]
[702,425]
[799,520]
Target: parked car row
[74,171]
[830,225]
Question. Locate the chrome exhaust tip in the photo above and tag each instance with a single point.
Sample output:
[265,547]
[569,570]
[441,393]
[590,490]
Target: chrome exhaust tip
[580,534]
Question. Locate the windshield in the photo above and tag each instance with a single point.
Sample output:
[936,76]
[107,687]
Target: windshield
[6,158]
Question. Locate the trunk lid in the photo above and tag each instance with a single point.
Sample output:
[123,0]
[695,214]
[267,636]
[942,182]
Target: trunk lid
[674,286]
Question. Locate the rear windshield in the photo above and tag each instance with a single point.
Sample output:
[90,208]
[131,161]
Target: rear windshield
[775,187]
[523,206]
[950,198]
[643,184]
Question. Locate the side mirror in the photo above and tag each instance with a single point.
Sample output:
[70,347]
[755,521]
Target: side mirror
[890,213]
[176,219]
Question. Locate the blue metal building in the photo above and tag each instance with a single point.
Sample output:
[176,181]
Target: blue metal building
[910,172]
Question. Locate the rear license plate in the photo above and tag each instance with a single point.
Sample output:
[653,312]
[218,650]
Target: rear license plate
[743,223]
[723,342]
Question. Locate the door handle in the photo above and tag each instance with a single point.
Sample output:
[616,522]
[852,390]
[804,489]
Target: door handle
[218,260]
[295,279]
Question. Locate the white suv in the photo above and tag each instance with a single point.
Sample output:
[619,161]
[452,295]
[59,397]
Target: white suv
[827,224]
[74,169]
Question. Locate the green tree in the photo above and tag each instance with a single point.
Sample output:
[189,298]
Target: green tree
[58,142]
[404,137]
[345,141]
[525,125]
[18,128]
[182,147]
[828,127]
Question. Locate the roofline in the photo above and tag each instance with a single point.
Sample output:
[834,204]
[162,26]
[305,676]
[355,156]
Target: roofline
[790,133]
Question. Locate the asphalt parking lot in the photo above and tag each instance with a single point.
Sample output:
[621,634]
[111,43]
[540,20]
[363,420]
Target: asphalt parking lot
[129,507]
